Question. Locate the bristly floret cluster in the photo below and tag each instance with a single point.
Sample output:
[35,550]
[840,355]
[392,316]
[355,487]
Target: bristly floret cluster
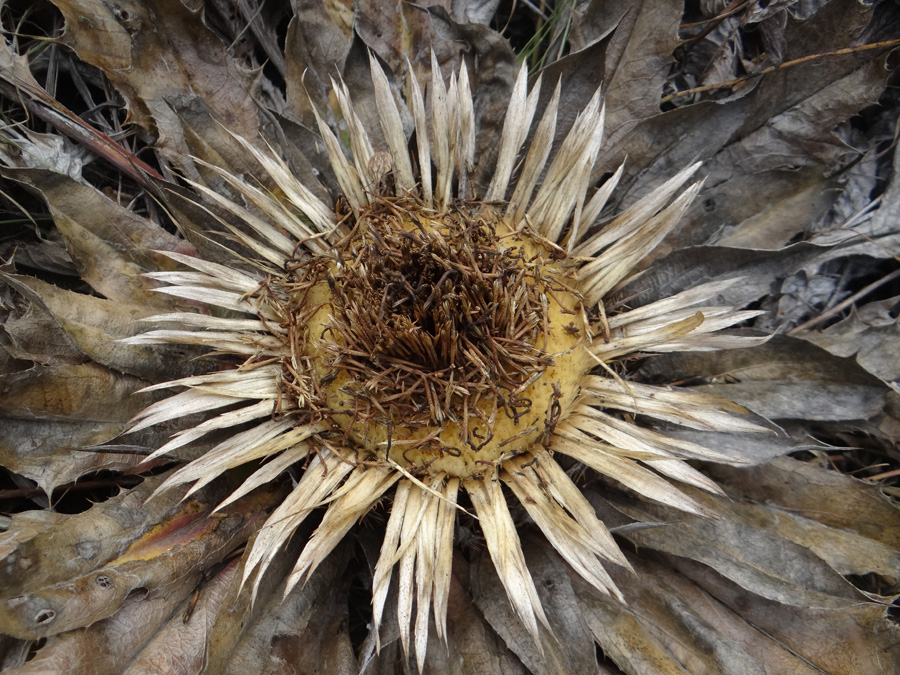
[432,316]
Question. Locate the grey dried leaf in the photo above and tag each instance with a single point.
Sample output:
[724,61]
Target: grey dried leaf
[808,491]
[568,651]
[786,378]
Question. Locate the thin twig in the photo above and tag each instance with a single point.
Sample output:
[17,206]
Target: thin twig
[780,66]
[69,124]
[846,303]
[886,474]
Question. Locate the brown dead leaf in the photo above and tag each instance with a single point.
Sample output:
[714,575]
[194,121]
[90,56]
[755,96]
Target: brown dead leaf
[829,497]
[106,647]
[831,26]
[90,328]
[472,645]
[636,70]
[239,612]
[867,643]
[760,560]
[29,331]
[595,20]
[292,629]
[879,233]
[167,560]
[687,610]
[669,625]
[324,647]
[48,255]
[180,645]
[47,452]
[846,552]
[78,543]
[49,412]
[636,636]
[315,48]
[786,121]
[802,135]
[22,527]
[163,59]
[784,379]
[68,393]
[788,201]
[571,648]
[405,35]
[111,246]
[870,333]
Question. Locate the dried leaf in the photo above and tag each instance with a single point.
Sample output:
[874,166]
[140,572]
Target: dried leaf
[687,268]
[111,246]
[106,647]
[829,497]
[129,40]
[785,122]
[164,561]
[404,35]
[20,528]
[180,645]
[570,648]
[76,544]
[757,559]
[92,328]
[635,69]
[472,645]
[667,618]
[846,552]
[29,331]
[868,638]
[240,614]
[787,203]
[870,333]
[783,379]
[669,625]
[315,48]
[292,631]
[48,411]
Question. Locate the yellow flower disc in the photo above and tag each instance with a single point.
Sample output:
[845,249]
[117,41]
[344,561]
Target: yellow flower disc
[446,345]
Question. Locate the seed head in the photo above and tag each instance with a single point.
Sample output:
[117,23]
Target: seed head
[419,337]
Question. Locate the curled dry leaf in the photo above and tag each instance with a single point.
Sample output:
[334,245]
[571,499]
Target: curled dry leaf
[61,325]
[784,379]
[160,563]
[77,543]
[129,40]
[180,644]
[50,412]
[868,333]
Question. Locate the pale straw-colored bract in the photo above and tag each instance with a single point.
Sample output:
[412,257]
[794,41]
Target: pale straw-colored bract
[553,203]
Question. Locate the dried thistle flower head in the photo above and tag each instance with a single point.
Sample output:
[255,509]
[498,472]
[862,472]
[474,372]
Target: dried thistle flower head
[425,337]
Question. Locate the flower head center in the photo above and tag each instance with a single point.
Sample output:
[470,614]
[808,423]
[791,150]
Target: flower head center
[445,340]
[442,306]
